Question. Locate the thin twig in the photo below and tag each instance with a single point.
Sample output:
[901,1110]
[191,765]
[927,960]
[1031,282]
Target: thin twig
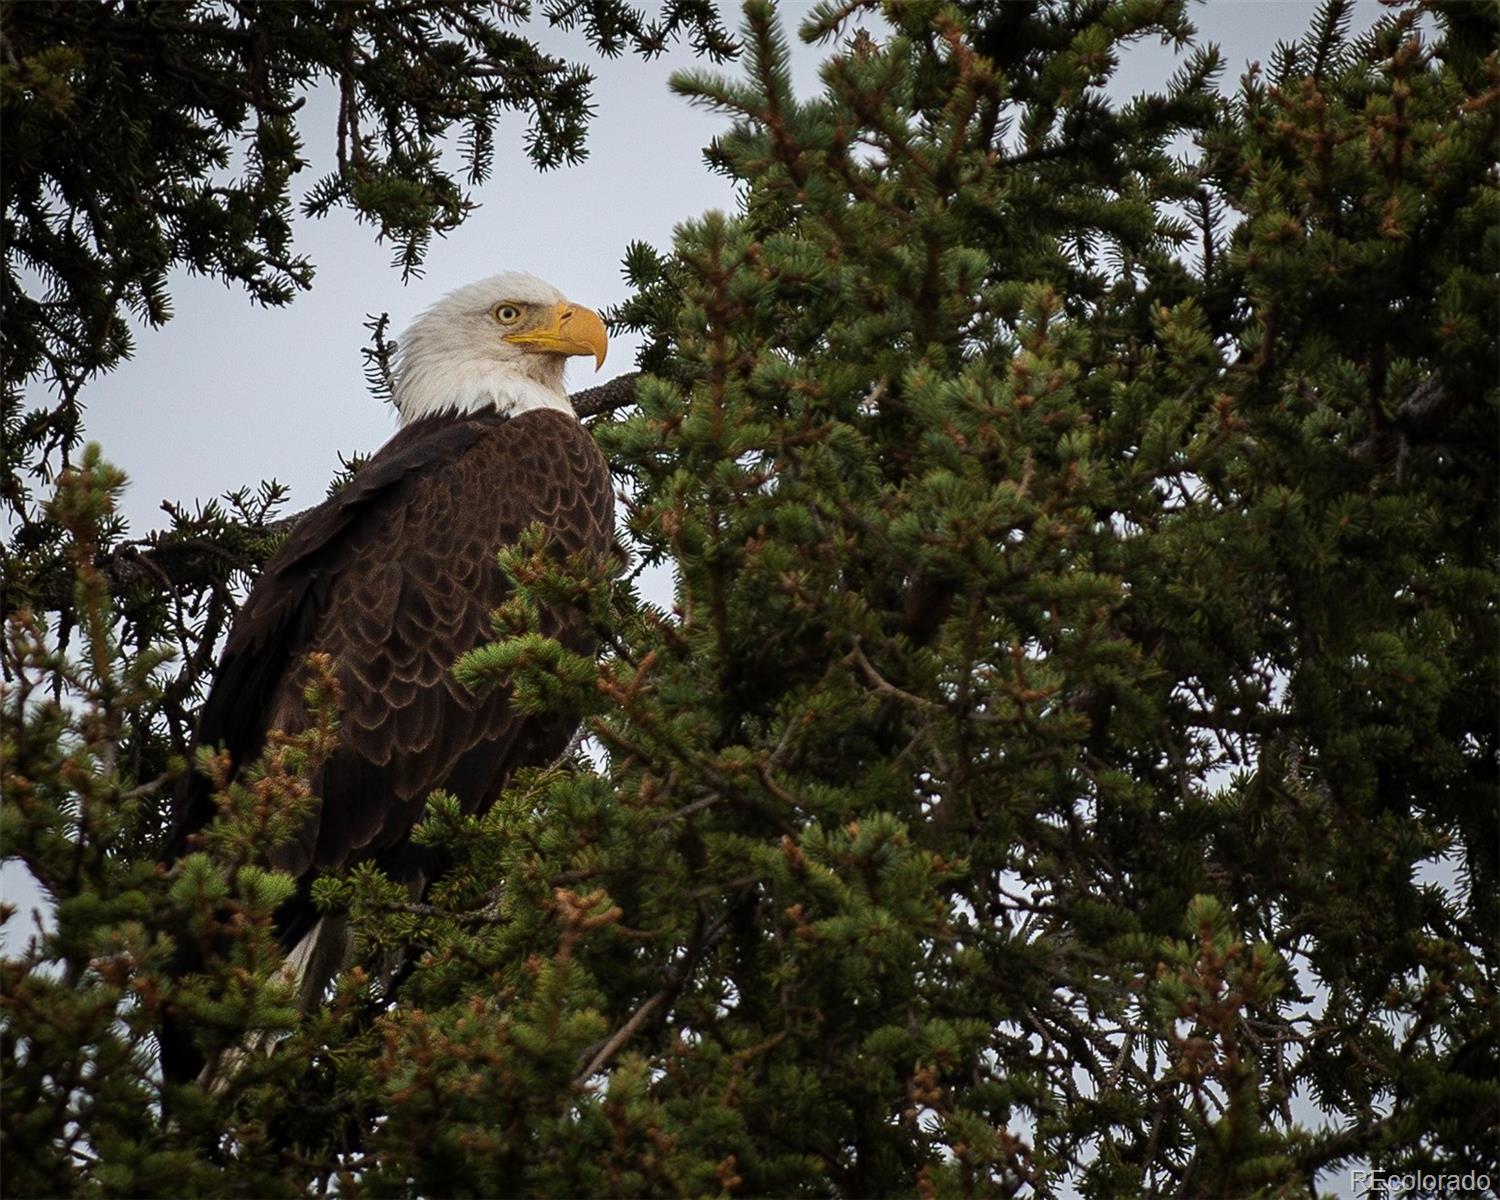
[622,1035]
[675,981]
[857,656]
[473,917]
[707,801]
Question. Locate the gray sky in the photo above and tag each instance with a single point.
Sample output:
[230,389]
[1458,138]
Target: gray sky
[228,394]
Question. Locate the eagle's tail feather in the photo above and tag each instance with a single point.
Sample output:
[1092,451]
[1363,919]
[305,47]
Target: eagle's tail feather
[318,956]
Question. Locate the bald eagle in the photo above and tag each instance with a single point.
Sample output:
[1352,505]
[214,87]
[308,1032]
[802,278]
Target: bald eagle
[394,578]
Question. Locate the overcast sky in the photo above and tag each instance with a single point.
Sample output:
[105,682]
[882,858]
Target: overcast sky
[228,394]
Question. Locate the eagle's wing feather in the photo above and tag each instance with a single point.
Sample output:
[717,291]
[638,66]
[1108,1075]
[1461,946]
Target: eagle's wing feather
[277,621]
[395,577]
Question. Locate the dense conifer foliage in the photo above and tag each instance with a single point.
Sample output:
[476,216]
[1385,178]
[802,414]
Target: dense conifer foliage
[1068,759]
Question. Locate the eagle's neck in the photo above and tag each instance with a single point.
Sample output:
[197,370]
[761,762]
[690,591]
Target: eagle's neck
[424,390]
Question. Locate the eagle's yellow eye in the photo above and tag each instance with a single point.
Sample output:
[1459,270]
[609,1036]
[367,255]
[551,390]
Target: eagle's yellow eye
[507,314]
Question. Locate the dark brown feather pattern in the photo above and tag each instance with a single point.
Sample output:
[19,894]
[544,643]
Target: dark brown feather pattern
[395,578]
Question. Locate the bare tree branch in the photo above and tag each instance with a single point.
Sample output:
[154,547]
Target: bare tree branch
[609,397]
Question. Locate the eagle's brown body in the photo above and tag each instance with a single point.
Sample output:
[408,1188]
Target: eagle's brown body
[395,578]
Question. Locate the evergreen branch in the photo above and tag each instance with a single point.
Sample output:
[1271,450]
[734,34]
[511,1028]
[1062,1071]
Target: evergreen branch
[881,684]
[622,1035]
[1418,421]
[1325,1150]
[482,916]
[675,980]
[689,809]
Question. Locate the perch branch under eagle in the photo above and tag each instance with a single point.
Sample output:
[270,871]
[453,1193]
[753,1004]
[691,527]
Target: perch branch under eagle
[394,578]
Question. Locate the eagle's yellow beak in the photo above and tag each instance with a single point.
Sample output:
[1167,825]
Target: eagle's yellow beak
[572,330]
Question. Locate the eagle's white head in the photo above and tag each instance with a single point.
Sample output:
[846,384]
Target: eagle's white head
[497,344]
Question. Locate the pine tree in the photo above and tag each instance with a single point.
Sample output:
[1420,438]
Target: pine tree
[1083,643]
